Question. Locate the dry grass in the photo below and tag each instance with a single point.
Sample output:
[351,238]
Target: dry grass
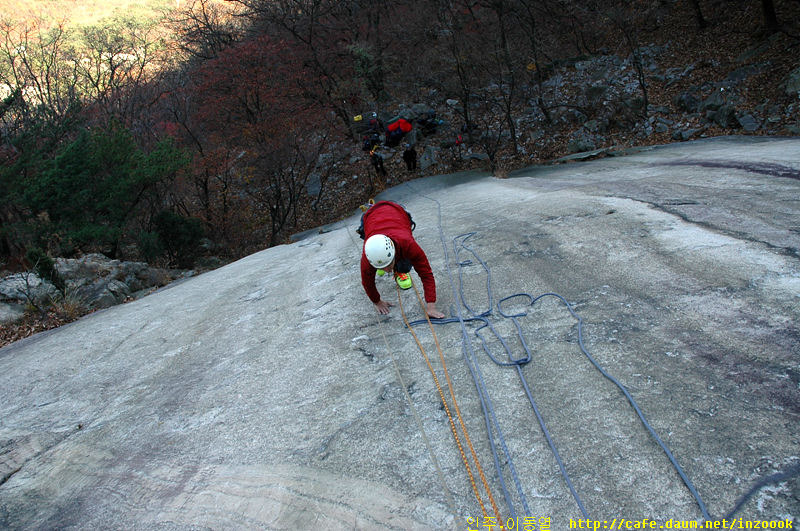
[81,12]
[35,321]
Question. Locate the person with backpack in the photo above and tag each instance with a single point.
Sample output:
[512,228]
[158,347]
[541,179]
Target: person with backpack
[390,247]
[377,161]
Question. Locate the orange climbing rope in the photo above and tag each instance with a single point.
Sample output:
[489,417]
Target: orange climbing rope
[447,409]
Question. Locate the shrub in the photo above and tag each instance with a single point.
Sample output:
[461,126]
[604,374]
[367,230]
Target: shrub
[180,236]
[150,246]
[45,268]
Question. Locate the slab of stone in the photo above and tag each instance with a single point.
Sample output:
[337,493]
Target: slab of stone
[270,394]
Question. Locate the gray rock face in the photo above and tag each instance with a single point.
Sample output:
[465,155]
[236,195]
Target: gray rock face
[748,122]
[686,101]
[429,157]
[95,280]
[793,83]
[10,312]
[26,287]
[269,393]
[724,116]
[581,143]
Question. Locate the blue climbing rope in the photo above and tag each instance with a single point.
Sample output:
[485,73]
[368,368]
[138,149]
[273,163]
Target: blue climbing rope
[459,244]
[490,419]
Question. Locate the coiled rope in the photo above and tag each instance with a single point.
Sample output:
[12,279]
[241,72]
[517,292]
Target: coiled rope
[517,363]
[478,380]
[787,473]
[486,405]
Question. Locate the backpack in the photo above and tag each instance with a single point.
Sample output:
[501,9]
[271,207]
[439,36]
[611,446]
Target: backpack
[360,229]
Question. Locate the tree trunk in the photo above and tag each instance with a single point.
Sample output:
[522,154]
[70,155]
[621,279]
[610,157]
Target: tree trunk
[698,13]
[770,17]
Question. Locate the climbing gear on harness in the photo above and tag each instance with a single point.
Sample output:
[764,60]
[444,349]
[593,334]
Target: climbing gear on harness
[403,280]
[381,272]
[379,250]
[367,205]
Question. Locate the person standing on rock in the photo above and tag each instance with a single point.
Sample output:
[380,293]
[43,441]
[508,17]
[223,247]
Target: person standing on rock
[410,157]
[377,161]
[390,247]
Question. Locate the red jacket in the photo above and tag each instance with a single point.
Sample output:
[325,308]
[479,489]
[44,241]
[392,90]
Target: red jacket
[391,219]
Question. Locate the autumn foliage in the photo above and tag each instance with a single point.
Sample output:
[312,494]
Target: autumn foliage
[224,128]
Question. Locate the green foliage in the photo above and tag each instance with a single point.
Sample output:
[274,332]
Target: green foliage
[180,236]
[45,268]
[95,184]
[368,69]
[150,246]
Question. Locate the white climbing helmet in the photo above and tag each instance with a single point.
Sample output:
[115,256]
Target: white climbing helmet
[379,250]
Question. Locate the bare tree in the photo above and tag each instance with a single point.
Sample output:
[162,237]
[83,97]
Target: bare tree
[342,44]
[205,29]
[771,24]
[624,17]
[40,68]
[453,20]
[116,65]
[528,17]
[505,67]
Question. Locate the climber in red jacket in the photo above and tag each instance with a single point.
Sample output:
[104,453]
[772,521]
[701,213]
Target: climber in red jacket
[390,247]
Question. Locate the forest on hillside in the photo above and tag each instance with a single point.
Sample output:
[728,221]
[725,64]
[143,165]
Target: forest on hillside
[162,138]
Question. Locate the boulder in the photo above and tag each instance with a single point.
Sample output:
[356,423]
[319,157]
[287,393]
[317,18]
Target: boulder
[792,84]
[26,287]
[95,280]
[429,157]
[104,294]
[10,312]
[595,126]
[686,134]
[725,116]
[420,110]
[686,101]
[97,269]
[581,143]
[314,184]
[673,75]
[741,74]
[595,93]
[662,125]
[748,122]
[714,101]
